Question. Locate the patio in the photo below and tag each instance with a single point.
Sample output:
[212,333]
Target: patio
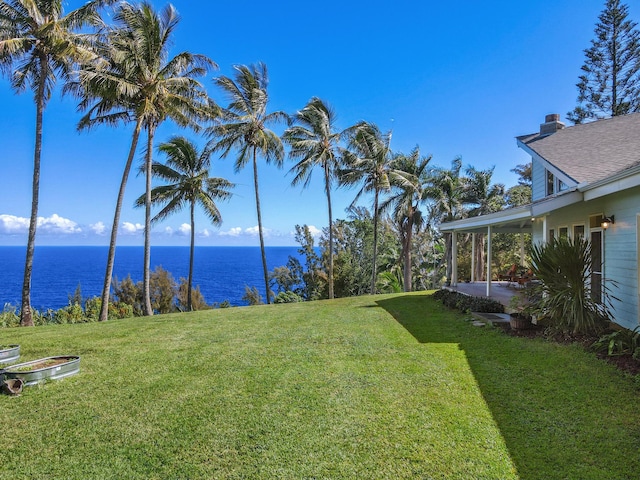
[500,291]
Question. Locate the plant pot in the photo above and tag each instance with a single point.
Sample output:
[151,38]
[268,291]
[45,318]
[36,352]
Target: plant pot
[9,353]
[11,387]
[50,368]
[520,322]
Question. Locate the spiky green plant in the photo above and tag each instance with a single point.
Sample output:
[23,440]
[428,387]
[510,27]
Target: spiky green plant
[564,296]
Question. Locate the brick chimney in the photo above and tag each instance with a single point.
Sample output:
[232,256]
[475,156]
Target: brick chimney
[551,125]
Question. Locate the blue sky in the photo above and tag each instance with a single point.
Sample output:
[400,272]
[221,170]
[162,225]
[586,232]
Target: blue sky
[458,78]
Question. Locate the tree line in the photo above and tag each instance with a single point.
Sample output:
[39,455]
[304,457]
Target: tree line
[121,73]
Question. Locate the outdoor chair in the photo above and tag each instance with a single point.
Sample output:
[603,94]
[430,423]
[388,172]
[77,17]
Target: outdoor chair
[526,279]
[510,275]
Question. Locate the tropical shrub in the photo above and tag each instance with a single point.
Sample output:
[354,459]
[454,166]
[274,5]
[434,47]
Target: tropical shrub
[288,297]
[115,309]
[197,299]
[9,317]
[388,282]
[252,296]
[565,300]
[222,304]
[281,279]
[467,303]
[70,314]
[163,292]
[126,291]
[619,342]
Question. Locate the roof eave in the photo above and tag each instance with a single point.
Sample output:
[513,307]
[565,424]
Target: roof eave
[623,180]
[512,216]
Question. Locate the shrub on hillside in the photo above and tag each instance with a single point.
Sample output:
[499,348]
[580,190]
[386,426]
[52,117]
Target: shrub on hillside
[163,289]
[197,299]
[9,316]
[73,313]
[288,297]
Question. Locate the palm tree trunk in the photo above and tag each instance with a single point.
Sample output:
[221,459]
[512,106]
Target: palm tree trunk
[191,251]
[262,251]
[146,281]
[327,182]
[407,254]
[26,316]
[106,289]
[375,243]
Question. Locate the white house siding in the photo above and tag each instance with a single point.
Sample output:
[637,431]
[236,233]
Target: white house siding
[539,187]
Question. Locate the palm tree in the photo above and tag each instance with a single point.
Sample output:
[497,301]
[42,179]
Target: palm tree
[484,198]
[410,178]
[40,41]
[314,142]
[446,191]
[244,127]
[187,171]
[368,162]
[136,81]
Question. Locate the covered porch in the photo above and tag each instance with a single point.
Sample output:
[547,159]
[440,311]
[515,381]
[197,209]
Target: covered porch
[517,220]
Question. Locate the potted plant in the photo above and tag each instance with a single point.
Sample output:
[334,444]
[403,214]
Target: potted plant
[520,318]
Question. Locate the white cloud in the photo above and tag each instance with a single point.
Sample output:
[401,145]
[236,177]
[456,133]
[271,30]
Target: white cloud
[315,232]
[98,228]
[185,229]
[57,224]
[254,231]
[10,224]
[129,228]
[168,231]
[234,232]
[205,233]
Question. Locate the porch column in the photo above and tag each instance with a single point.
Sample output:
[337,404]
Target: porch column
[473,257]
[522,249]
[454,259]
[489,261]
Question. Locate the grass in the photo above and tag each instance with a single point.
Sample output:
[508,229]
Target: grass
[391,386]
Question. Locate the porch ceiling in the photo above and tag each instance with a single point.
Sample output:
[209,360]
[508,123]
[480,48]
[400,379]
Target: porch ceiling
[513,220]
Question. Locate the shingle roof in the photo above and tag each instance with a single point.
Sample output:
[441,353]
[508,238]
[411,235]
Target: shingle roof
[591,151]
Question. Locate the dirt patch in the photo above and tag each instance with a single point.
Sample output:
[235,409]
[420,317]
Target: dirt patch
[625,363]
[44,364]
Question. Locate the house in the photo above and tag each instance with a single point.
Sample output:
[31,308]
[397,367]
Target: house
[586,182]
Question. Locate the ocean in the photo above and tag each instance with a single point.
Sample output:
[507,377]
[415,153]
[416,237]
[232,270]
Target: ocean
[221,272]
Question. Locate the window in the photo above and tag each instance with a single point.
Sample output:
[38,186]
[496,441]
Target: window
[595,221]
[562,186]
[578,231]
[550,183]
[552,234]
[563,232]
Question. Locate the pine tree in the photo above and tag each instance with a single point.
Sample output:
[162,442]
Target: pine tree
[609,84]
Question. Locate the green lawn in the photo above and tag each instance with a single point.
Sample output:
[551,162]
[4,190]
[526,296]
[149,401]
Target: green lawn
[390,386]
